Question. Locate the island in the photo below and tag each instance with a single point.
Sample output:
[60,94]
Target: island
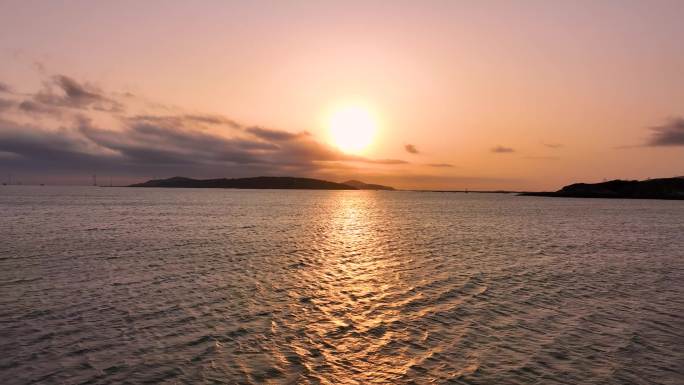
[662,188]
[367,186]
[261,182]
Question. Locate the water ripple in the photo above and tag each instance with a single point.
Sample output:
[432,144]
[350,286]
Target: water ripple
[110,286]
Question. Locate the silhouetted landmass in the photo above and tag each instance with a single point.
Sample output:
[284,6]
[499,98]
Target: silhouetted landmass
[663,188]
[366,186]
[470,191]
[261,182]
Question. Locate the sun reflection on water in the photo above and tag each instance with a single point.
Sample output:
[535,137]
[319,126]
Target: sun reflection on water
[350,320]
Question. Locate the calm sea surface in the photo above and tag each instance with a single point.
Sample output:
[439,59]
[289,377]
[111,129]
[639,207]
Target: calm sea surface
[118,285]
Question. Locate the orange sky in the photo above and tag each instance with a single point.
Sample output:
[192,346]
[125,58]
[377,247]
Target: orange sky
[567,91]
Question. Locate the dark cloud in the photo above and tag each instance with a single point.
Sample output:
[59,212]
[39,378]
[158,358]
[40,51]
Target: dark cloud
[411,149]
[502,150]
[552,145]
[138,146]
[668,134]
[445,165]
[44,149]
[75,95]
[8,155]
[65,136]
[144,142]
[185,120]
[65,153]
[5,88]
[36,108]
[274,135]
[74,90]
[39,66]
[6,104]
[212,119]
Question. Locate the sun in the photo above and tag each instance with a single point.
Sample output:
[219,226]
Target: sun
[352,128]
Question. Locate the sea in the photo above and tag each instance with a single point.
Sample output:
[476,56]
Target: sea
[210,286]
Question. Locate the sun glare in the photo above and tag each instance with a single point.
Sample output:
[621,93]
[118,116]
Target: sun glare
[352,128]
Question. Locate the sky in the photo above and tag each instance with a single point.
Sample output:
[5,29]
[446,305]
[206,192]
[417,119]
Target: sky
[519,95]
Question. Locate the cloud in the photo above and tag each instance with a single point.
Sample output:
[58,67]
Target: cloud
[275,135]
[151,144]
[79,127]
[668,134]
[502,150]
[445,165]
[552,145]
[39,66]
[5,88]
[35,108]
[411,149]
[73,94]
[185,120]
[37,147]
[6,104]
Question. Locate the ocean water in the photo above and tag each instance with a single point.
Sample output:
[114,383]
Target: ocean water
[119,285]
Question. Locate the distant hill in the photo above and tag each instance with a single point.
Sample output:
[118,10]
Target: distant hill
[261,182]
[366,186]
[663,188]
